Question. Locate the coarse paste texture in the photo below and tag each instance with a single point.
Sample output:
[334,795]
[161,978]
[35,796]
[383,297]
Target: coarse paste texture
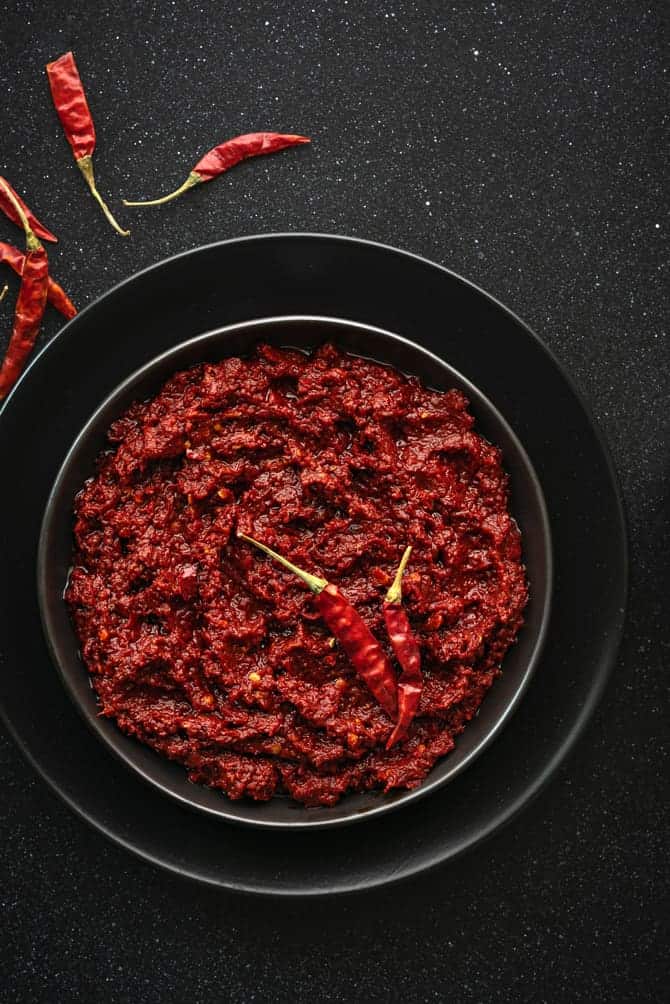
[213,654]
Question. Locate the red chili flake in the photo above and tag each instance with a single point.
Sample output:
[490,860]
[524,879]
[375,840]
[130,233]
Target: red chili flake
[8,205]
[366,654]
[407,651]
[56,295]
[71,105]
[30,304]
[227,155]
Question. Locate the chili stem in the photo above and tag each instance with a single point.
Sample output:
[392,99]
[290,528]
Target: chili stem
[3,294]
[315,583]
[192,180]
[32,242]
[394,594]
[85,165]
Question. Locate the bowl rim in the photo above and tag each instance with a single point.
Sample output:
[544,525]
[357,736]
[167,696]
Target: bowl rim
[399,799]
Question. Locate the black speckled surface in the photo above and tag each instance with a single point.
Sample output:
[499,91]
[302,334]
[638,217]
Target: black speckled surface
[521,145]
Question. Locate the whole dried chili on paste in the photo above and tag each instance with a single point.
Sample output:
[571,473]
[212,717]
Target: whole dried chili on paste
[366,654]
[56,295]
[8,205]
[30,304]
[71,105]
[407,652]
[227,155]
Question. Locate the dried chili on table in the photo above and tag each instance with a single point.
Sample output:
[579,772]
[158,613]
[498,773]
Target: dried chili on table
[71,105]
[30,304]
[8,203]
[366,654]
[407,652]
[226,155]
[56,295]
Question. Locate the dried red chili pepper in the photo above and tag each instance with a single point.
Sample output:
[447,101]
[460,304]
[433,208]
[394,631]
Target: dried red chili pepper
[9,209]
[71,105]
[227,155]
[366,654]
[407,651]
[56,295]
[30,304]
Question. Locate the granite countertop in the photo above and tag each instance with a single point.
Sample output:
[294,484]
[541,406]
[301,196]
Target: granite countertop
[521,145]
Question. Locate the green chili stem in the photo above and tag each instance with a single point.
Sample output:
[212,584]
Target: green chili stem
[85,165]
[394,594]
[192,180]
[32,242]
[315,583]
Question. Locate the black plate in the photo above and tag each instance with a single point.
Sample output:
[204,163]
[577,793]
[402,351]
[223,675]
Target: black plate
[55,554]
[288,274]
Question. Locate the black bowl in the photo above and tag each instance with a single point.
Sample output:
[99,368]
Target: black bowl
[55,550]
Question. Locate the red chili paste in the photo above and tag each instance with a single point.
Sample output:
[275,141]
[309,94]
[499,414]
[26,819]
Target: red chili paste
[214,655]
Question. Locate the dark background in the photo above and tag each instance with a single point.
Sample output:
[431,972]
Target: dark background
[521,145]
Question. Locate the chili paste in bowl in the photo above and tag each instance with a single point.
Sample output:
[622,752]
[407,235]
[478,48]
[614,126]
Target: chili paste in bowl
[214,655]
